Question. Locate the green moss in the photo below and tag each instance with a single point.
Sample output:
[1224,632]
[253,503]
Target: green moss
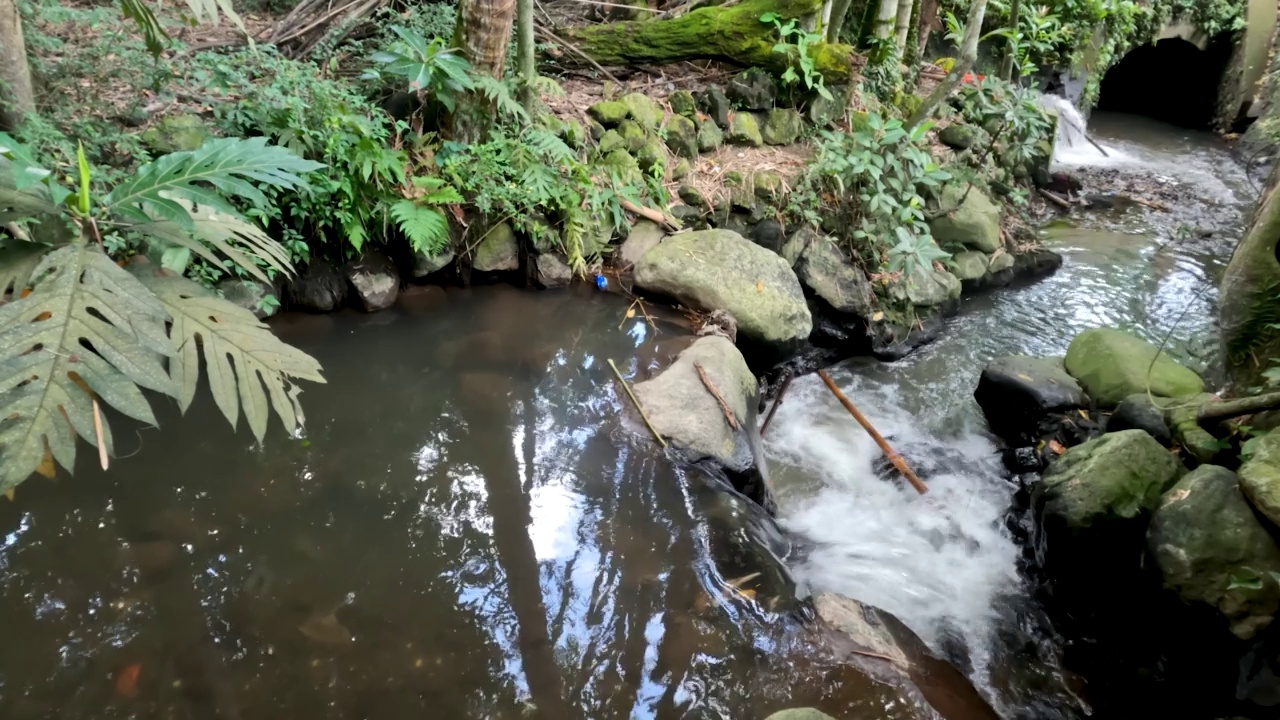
[733,33]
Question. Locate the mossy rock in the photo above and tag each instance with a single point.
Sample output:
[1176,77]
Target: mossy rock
[682,136]
[825,269]
[643,109]
[1112,364]
[753,89]
[681,169]
[610,141]
[652,157]
[1183,422]
[1260,475]
[499,250]
[767,184]
[1000,262]
[633,135]
[825,113]
[716,105]
[595,130]
[974,223]
[782,127]
[1211,549]
[859,121]
[573,134]
[682,103]
[177,133]
[608,113]
[625,166]
[693,197]
[710,136]
[926,287]
[1119,476]
[744,129]
[969,265]
[958,136]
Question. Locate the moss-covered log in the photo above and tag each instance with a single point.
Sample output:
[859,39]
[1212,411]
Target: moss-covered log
[731,33]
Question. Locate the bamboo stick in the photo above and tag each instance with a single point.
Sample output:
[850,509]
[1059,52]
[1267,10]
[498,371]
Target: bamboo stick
[894,457]
[636,402]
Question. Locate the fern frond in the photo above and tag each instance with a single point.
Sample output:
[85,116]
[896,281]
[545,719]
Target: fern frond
[211,8]
[550,146]
[86,324]
[240,356]
[544,85]
[499,94]
[426,227]
[575,230]
[221,168]
[209,231]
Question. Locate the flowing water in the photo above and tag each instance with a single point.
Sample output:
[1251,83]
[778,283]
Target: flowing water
[469,530]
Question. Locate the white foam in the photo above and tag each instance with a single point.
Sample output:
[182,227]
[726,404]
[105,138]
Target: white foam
[1071,147]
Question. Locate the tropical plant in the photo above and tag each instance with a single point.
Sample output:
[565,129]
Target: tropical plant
[431,67]
[871,182]
[1021,127]
[77,329]
[794,42]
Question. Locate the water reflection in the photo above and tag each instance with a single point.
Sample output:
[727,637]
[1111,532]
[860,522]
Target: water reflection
[468,530]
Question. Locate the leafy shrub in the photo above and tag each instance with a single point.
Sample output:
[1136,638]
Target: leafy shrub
[798,51]
[869,183]
[77,329]
[1019,127]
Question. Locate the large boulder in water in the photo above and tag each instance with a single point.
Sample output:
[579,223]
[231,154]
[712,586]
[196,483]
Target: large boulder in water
[1260,476]
[926,287]
[721,270]
[319,287]
[499,250]
[1116,478]
[1112,364]
[682,410]
[1212,549]
[974,223]
[375,279]
[831,275]
[1017,393]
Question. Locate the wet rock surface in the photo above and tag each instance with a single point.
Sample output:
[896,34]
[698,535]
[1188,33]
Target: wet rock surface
[1018,393]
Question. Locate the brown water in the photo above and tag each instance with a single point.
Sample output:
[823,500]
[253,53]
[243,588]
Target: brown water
[467,531]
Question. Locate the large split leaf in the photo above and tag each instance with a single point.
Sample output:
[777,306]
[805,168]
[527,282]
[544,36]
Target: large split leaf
[17,262]
[211,231]
[220,169]
[240,354]
[86,323]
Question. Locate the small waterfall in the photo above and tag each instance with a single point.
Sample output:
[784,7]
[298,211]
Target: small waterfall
[1073,147]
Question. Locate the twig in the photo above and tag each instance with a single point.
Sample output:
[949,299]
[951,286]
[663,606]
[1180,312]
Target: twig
[543,29]
[1055,199]
[893,457]
[711,388]
[651,214]
[878,656]
[617,5]
[1145,203]
[1240,406]
[777,402]
[636,402]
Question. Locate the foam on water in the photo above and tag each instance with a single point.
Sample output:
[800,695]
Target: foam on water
[942,562]
[1072,146]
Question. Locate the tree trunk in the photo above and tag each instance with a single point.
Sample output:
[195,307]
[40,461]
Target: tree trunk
[836,10]
[525,52]
[484,32]
[926,23]
[1006,65]
[16,96]
[732,33]
[886,17]
[968,55]
[1249,296]
[903,26]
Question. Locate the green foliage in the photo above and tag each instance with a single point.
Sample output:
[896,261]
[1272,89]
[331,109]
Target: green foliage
[794,42]
[76,328]
[1013,115]
[870,181]
[420,217]
[430,66]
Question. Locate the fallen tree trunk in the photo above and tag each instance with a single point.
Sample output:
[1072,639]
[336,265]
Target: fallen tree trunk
[732,33]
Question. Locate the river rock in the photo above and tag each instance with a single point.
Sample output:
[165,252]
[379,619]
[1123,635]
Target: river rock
[975,223]
[499,250]
[832,276]
[1000,262]
[1112,365]
[710,136]
[633,135]
[768,234]
[1017,392]
[319,287]
[1260,476]
[643,237]
[744,129]
[1211,549]
[683,103]
[753,89]
[716,105]
[375,279]
[970,265]
[643,109]
[782,126]
[721,270]
[425,264]
[682,136]
[1184,424]
[611,140]
[926,287]
[608,113]
[1114,478]
[683,411]
[257,297]
[552,271]
[1140,412]
[800,714]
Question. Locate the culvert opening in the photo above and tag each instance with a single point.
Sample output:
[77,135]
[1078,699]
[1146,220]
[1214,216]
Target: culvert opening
[1172,80]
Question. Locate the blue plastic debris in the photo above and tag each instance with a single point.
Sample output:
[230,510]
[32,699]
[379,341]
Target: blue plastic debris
[601,282]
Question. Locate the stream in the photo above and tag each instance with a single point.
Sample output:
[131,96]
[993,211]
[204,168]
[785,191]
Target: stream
[468,528]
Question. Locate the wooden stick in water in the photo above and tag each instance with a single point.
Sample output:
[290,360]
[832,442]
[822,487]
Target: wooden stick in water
[636,402]
[715,393]
[894,457]
[786,383]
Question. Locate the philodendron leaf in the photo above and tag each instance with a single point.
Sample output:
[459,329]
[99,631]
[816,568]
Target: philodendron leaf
[240,355]
[86,324]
